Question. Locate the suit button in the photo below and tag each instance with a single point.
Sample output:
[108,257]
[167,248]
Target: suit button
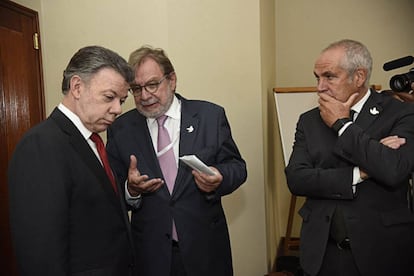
[172,203]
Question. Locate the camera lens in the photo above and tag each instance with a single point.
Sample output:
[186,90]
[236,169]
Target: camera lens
[402,83]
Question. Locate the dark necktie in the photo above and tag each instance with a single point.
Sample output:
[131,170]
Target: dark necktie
[352,114]
[166,160]
[338,230]
[104,158]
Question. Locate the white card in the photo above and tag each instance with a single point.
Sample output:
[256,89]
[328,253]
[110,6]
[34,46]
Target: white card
[196,164]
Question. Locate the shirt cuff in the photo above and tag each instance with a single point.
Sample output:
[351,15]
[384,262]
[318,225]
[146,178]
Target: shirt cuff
[131,200]
[356,178]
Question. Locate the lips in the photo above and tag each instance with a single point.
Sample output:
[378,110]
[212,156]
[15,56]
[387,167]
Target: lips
[149,102]
[108,122]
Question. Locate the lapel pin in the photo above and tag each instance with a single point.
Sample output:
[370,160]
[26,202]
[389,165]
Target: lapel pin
[190,129]
[374,111]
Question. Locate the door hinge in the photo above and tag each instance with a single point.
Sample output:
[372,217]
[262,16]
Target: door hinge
[36,41]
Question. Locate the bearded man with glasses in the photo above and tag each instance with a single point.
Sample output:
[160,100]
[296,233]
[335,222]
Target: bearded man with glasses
[178,222]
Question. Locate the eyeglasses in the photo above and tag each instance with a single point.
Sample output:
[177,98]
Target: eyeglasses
[150,87]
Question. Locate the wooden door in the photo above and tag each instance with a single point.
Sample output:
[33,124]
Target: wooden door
[21,101]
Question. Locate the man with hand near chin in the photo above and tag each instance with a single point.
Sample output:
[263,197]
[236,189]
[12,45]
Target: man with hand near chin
[352,159]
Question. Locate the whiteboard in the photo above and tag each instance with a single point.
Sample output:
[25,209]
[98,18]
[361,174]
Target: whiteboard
[289,106]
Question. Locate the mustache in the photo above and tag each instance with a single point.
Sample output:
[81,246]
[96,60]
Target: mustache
[149,102]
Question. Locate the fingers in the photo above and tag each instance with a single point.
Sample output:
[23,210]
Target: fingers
[387,139]
[133,162]
[138,183]
[393,142]
[362,174]
[208,183]
[141,184]
[134,176]
[350,102]
[152,185]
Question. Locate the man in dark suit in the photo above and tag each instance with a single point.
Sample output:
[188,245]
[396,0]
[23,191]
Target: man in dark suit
[179,225]
[67,218]
[354,173]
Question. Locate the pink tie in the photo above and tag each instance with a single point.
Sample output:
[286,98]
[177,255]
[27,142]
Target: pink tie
[102,154]
[166,160]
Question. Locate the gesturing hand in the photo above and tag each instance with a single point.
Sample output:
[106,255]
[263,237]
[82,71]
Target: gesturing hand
[137,183]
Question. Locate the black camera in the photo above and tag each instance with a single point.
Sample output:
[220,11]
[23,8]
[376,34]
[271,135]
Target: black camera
[401,82]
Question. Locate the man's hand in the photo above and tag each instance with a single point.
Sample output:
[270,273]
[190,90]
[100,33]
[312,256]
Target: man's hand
[207,183]
[363,175]
[137,183]
[393,142]
[331,109]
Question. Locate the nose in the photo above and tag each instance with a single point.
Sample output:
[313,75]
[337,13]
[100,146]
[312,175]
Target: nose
[321,85]
[116,107]
[145,94]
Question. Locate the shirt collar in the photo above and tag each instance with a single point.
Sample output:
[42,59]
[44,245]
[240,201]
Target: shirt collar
[174,111]
[358,106]
[86,133]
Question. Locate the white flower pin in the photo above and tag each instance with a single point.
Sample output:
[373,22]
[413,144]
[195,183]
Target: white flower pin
[374,111]
[190,129]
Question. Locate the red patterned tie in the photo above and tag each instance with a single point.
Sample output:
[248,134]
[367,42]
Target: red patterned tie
[102,154]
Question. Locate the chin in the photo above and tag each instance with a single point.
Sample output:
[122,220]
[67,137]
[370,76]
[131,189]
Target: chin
[149,113]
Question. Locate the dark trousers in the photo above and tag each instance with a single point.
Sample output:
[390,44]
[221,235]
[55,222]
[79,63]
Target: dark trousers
[338,262]
[177,266]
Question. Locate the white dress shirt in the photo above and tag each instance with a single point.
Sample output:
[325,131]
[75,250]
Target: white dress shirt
[356,175]
[172,123]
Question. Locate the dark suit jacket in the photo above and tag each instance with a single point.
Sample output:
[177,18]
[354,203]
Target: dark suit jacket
[378,220]
[65,216]
[199,217]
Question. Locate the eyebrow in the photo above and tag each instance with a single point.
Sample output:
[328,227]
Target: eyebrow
[325,74]
[151,80]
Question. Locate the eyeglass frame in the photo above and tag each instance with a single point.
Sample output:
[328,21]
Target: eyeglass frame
[156,84]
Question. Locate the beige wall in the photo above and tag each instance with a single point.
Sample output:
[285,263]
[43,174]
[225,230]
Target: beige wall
[215,47]
[225,51]
[304,27]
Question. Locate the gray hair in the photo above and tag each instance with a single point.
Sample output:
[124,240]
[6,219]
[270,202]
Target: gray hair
[90,60]
[356,56]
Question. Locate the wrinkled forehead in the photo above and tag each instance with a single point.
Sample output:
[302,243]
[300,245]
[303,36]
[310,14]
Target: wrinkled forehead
[333,56]
[329,60]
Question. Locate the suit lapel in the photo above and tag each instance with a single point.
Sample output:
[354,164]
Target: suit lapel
[140,132]
[85,152]
[189,132]
[147,157]
[371,110]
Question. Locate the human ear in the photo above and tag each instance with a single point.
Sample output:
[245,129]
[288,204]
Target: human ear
[75,86]
[173,80]
[360,76]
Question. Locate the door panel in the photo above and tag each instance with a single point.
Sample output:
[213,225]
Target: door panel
[21,101]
